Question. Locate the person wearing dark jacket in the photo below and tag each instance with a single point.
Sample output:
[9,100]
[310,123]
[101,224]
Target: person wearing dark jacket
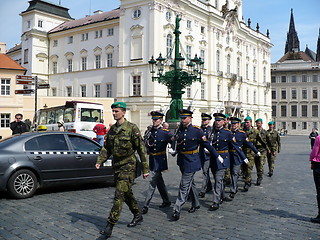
[18,126]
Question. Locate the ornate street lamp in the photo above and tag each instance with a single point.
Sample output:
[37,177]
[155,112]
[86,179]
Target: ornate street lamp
[176,79]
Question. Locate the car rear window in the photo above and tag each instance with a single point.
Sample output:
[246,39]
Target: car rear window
[47,143]
[83,144]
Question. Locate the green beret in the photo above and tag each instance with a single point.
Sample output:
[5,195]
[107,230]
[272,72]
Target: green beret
[248,118]
[259,120]
[227,116]
[271,123]
[119,105]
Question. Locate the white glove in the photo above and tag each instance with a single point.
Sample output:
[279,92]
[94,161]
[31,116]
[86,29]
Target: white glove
[206,151]
[220,159]
[259,154]
[246,160]
[171,151]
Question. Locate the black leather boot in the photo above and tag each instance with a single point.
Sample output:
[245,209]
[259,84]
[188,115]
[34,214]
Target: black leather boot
[135,221]
[107,231]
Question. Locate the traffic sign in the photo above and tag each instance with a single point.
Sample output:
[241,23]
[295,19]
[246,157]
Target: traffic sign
[24,82]
[24,77]
[43,86]
[24,91]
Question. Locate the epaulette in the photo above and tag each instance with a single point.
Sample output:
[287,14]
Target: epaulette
[195,126]
[242,131]
[165,129]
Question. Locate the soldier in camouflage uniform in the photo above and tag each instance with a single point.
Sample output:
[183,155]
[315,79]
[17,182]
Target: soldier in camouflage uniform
[253,136]
[275,147]
[122,141]
[263,146]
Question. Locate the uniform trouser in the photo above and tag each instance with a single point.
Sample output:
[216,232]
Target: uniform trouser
[123,193]
[316,178]
[235,172]
[156,182]
[247,168]
[260,161]
[206,182]
[187,186]
[271,159]
[218,187]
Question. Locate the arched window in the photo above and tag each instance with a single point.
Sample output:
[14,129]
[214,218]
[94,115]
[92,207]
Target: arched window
[169,46]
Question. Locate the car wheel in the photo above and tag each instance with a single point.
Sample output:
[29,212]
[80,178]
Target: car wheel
[22,184]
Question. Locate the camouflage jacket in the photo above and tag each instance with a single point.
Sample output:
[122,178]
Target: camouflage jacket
[274,138]
[259,139]
[122,142]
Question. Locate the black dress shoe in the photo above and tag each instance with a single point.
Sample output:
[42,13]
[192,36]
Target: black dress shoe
[144,210]
[175,216]
[214,206]
[227,199]
[165,204]
[246,187]
[232,195]
[201,194]
[316,219]
[107,231]
[270,173]
[135,221]
[193,209]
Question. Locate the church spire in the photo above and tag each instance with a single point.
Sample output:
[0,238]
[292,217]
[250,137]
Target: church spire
[318,48]
[292,44]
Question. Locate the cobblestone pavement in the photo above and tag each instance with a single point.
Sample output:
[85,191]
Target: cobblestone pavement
[278,209]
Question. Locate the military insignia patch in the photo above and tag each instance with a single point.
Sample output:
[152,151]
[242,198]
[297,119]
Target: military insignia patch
[204,138]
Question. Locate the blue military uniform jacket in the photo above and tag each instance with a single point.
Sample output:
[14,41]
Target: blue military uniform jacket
[223,140]
[189,139]
[241,139]
[157,145]
[203,155]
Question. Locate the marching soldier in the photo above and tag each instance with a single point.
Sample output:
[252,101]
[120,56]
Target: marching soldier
[122,141]
[205,156]
[156,140]
[189,137]
[236,161]
[263,147]
[275,147]
[253,136]
[221,140]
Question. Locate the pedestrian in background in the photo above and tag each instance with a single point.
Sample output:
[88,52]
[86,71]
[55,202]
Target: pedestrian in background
[315,166]
[156,141]
[18,126]
[61,127]
[100,130]
[313,136]
[122,141]
[275,147]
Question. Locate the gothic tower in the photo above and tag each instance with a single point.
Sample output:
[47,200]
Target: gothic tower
[292,43]
[318,48]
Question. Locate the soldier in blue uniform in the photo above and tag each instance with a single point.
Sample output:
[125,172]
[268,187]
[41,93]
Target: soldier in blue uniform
[205,156]
[236,160]
[221,139]
[156,140]
[189,137]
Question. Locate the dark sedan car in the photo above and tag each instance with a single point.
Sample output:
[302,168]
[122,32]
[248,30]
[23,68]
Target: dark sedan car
[32,160]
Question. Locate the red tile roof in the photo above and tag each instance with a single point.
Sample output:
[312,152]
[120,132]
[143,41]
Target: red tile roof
[296,56]
[8,63]
[99,17]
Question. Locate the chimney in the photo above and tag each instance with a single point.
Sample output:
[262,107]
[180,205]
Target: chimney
[2,47]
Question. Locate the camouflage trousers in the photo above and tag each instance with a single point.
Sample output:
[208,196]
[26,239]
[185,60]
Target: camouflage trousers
[260,161]
[124,181]
[247,168]
[271,159]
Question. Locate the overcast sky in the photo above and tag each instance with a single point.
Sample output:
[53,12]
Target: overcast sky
[270,14]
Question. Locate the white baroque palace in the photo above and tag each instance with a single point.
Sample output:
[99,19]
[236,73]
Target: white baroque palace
[107,54]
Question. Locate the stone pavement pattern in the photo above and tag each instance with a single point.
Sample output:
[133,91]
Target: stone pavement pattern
[278,209]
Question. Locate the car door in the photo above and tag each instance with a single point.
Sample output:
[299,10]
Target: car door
[86,152]
[51,155]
